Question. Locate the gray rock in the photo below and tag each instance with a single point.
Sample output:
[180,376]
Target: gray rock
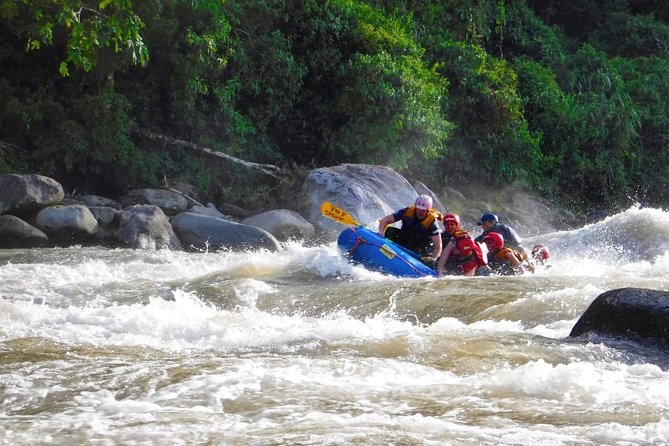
[108,219]
[366,192]
[104,215]
[627,313]
[147,227]
[209,210]
[97,200]
[202,232]
[234,211]
[67,224]
[455,194]
[16,233]
[283,224]
[170,202]
[25,193]
[67,201]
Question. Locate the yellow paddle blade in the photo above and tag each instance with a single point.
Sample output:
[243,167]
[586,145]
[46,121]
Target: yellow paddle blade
[331,211]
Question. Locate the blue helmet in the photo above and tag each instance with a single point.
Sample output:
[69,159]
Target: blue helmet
[488,216]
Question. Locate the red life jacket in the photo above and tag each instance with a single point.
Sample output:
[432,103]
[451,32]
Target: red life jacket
[466,247]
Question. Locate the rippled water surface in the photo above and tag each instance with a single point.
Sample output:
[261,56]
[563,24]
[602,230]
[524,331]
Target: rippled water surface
[299,347]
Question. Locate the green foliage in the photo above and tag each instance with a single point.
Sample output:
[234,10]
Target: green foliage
[492,141]
[84,27]
[589,125]
[631,35]
[89,135]
[374,32]
[565,97]
[369,97]
[527,36]
[391,110]
[646,82]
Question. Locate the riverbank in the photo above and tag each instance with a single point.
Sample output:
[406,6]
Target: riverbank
[36,212]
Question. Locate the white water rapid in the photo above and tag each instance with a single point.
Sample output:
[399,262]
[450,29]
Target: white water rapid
[109,347]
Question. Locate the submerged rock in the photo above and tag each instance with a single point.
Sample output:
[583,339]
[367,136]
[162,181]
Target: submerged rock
[628,313]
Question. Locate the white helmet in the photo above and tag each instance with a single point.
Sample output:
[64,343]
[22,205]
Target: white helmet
[423,202]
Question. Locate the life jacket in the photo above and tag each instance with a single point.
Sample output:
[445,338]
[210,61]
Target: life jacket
[497,261]
[466,248]
[500,255]
[409,219]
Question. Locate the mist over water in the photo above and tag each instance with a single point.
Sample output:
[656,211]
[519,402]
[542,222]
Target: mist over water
[102,346]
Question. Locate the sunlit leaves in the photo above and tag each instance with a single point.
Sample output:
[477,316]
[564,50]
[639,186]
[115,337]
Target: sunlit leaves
[393,110]
[82,27]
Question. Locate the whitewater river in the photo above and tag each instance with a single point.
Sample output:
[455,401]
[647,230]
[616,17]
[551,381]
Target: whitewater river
[109,347]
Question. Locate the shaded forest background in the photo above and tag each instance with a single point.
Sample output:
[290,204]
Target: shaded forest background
[567,99]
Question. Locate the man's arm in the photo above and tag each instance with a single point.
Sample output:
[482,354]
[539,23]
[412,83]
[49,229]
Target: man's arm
[443,257]
[436,252]
[385,221]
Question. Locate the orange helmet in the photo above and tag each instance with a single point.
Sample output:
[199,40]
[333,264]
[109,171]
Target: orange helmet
[493,240]
[452,218]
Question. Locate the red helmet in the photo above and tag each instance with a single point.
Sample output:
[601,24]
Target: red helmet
[493,240]
[540,253]
[452,218]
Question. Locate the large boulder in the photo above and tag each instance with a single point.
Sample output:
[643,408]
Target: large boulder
[202,232]
[147,227]
[67,224]
[170,202]
[628,313]
[26,193]
[16,233]
[283,224]
[366,192]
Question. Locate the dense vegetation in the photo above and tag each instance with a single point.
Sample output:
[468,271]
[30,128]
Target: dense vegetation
[566,98]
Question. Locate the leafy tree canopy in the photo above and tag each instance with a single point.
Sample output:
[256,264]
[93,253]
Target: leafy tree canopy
[567,98]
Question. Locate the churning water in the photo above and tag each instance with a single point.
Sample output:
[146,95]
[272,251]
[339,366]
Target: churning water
[108,347]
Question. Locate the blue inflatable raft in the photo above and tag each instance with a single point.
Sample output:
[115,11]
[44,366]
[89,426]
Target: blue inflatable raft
[376,253]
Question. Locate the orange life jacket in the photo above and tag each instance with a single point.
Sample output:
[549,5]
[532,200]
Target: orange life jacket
[501,255]
[500,265]
[410,214]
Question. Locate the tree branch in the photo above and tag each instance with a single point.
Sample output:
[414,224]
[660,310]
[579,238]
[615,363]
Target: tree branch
[8,145]
[268,169]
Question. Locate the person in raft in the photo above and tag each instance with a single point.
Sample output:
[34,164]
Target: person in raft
[461,255]
[419,231]
[490,223]
[541,254]
[502,260]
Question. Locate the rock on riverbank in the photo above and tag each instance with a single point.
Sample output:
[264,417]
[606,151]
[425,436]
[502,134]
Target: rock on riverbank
[34,211]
